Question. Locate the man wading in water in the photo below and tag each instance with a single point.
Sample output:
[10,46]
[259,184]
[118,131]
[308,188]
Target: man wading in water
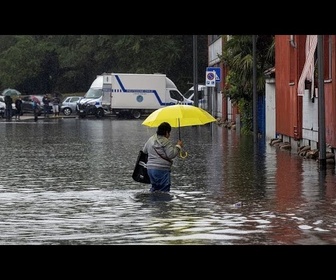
[160,152]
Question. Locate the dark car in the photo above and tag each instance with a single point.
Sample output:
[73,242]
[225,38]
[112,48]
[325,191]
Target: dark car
[27,105]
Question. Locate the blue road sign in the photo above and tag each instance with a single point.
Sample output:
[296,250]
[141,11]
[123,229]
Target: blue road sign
[218,72]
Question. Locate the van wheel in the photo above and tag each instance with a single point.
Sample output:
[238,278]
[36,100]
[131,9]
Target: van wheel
[136,114]
[82,115]
[100,113]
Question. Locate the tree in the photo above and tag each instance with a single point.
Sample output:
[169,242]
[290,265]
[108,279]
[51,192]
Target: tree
[238,56]
[21,65]
[69,63]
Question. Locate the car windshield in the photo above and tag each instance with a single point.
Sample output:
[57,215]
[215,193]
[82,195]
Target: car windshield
[93,93]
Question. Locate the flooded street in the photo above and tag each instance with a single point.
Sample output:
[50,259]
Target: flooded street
[68,182]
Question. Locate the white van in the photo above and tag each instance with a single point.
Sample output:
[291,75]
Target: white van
[129,95]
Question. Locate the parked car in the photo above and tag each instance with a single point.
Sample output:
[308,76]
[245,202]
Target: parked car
[69,105]
[27,104]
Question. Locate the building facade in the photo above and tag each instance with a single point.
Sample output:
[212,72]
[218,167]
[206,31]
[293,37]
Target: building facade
[297,90]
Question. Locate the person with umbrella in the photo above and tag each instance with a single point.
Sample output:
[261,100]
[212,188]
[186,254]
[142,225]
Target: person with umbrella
[179,115]
[161,152]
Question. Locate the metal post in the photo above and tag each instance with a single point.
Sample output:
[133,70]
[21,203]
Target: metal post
[321,104]
[195,70]
[255,99]
[212,100]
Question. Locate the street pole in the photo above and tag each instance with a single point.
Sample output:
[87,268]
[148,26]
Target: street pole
[195,70]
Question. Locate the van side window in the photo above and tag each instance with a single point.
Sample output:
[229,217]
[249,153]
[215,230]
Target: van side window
[175,95]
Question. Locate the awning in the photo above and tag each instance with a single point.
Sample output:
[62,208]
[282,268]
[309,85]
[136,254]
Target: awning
[308,68]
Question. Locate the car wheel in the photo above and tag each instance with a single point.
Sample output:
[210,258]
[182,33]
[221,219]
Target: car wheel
[67,111]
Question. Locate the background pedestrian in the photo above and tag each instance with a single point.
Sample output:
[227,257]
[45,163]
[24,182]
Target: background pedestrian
[18,106]
[56,104]
[35,109]
[9,108]
[46,105]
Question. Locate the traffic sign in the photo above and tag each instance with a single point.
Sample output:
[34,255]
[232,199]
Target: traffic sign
[218,72]
[210,78]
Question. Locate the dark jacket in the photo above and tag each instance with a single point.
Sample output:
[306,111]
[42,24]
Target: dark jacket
[18,104]
[8,101]
[45,100]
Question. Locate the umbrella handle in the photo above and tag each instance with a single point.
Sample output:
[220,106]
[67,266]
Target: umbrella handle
[183,154]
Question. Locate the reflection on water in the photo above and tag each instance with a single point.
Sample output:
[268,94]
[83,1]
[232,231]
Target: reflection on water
[68,181]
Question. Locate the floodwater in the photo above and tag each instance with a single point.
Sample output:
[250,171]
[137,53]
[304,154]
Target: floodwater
[68,181]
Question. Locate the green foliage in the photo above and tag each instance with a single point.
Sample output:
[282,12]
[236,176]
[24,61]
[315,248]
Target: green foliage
[27,65]
[238,57]
[69,63]
[246,116]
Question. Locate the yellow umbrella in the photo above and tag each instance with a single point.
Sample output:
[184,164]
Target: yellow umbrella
[179,115]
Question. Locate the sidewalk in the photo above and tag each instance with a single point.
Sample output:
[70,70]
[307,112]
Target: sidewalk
[30,117]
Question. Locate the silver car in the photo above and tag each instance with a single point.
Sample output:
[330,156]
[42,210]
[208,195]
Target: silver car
[69,105]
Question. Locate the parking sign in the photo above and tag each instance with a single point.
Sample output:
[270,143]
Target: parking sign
[217,71]
[210,78]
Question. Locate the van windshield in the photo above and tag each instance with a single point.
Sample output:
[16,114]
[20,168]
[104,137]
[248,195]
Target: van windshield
[174,94]
[189,93]
[93,93]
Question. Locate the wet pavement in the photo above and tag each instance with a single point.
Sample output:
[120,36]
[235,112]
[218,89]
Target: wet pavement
[68,181]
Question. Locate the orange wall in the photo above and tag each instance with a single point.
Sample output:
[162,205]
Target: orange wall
[330,97]
[288,64]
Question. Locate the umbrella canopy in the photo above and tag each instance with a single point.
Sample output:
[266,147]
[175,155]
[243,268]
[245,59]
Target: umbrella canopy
[34,98]
[179,115]
[11,92]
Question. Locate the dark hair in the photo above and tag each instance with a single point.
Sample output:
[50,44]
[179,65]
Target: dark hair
[163,128]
